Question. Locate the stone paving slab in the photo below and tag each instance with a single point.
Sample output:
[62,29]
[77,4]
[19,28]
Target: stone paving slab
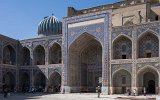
[76,96]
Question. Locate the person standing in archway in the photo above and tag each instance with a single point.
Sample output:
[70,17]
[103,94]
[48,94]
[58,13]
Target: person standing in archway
[134,92]
[99,91]
[144,91]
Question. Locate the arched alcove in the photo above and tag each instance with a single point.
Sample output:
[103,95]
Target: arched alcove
[55,82]
[85,63]
[148,45]
[9,81]
[121,82]
[39,55]
[39,82]
[148,78]
[55,55]
[122,48]
[25,56]
[9,55]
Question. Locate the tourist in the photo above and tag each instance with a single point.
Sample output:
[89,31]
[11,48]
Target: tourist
[144,91]
[128,92]
[134,92]
[99,91]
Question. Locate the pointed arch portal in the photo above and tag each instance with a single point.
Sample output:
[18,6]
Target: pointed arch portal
[85,63]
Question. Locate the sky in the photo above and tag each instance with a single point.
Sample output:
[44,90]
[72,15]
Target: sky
[19,19]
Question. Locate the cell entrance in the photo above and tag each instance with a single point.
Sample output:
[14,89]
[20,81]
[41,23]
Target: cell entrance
[9,81]
[39,82]
[55,83]
[25,82]
[151,87]
[149,82]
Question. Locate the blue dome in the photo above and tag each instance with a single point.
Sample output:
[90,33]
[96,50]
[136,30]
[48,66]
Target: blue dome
[50,26]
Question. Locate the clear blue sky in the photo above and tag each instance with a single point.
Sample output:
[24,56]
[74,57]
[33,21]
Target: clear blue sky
[19,18]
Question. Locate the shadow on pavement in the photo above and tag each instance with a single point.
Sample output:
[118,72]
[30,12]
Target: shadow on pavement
[23,96]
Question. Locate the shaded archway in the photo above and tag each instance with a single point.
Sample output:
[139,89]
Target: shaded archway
[39,55]
[25,56]
[55,55]
[121,82]
[122,48]
[148,45]
[39,82]
[148,78]
[25,82]
[9,55]
[9,81]
[85,63]
[55,82]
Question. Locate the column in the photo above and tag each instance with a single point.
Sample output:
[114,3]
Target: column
[159,86]
[31,55]
[106,55]
[46,56]
[134,63]
[1,80]
[17,80]
[47,80]
[31,79]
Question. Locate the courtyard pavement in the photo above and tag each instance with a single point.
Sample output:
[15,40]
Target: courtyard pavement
[76,96]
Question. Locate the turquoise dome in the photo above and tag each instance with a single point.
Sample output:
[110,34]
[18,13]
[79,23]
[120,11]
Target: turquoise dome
[50,26]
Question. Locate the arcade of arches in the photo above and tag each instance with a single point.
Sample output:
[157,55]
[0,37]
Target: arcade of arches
[147,47]
[85,63]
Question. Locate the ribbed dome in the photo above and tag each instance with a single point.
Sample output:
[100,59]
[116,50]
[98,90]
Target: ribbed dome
[49,26]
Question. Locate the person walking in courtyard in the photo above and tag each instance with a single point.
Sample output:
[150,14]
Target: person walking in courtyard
[144,91]
[99,91]
[134,92]
[128,92]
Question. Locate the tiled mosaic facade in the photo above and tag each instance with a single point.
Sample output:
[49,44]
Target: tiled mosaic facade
[106,45]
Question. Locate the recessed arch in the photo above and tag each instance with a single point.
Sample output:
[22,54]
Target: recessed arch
[25,82]
[89,35]
[54,42]
[121,81]
[9,55]
[148,78]
[146,32]
[122,47]
[55,82]
[85,63]
[25,56]
[55,54]
[40,81]
[9,81]
[148,45]
[39,55]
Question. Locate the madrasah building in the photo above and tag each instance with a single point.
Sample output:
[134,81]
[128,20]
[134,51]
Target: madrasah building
[114,45]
